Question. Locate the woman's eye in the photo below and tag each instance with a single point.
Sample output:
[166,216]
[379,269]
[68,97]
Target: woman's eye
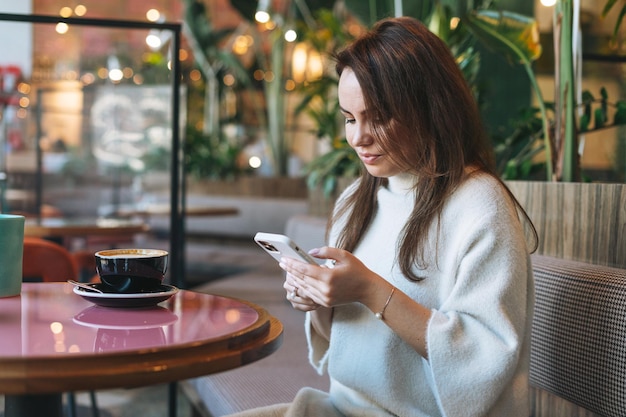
[349,121]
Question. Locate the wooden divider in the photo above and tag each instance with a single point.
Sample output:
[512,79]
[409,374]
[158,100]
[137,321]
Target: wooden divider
[578,221]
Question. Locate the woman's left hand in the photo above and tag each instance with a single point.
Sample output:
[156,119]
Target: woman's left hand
[349,280]
[298,300]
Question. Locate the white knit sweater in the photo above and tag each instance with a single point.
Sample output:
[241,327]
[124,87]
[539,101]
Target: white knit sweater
[479,286]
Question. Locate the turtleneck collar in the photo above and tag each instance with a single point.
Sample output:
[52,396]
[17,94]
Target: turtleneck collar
[402,183]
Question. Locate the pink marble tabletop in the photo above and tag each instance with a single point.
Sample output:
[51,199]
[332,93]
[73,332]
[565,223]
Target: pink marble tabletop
[53,337]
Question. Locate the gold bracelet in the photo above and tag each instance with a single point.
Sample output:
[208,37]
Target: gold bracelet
[381,314]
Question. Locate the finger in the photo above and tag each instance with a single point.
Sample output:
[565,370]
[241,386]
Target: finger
[290,286]
[299,295]
[301,299]
[301,303]
[304,307]
[309,279]
[306,287]
[332,255]
[296,268]
[308,294]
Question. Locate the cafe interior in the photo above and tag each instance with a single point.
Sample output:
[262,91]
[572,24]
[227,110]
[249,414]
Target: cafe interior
[164,124]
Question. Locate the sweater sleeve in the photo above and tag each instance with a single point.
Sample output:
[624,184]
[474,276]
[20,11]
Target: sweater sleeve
[318,346]
[479,332]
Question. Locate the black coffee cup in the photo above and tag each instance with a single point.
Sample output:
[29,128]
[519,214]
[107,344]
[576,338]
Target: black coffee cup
[132,270]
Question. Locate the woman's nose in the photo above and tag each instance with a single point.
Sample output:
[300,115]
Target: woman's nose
[360,137]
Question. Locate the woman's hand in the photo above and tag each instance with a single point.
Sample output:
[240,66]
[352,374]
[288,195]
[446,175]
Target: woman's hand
[296,298]
[310,286]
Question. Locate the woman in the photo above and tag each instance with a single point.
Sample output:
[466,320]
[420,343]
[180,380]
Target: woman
[425,304]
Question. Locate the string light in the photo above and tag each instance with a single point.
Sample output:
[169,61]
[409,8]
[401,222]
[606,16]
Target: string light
[254,162]
[153,40]
[62,28]
[65,11]
[291,35]
[153,15]
[262,14]
[80,10]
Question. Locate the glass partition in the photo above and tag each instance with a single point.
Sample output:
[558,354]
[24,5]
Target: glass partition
[91,127]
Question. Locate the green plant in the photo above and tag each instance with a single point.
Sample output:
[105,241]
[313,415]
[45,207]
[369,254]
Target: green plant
[516,153]
[212,60]
[326,35]
[326,170]
[273,59]
[211,156]
[516,38]
[370,11]
[208,153]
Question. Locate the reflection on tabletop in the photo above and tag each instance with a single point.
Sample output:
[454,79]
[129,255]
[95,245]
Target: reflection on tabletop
[126,329]
[50,319]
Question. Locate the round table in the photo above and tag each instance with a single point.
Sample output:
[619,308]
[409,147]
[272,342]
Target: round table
[55,341]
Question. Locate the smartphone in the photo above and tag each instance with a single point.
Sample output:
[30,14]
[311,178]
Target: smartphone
[277,246]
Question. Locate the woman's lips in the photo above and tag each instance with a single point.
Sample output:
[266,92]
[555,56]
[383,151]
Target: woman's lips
[369,158]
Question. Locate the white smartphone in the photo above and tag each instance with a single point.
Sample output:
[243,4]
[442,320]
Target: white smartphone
[277,246]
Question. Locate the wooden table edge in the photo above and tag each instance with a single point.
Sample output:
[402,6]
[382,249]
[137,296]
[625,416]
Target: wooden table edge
[76,373]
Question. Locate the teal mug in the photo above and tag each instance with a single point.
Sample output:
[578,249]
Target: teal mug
[11,253]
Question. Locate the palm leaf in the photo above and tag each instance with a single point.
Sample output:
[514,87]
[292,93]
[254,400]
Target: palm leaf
[514,35]
[607,8]
[620,18]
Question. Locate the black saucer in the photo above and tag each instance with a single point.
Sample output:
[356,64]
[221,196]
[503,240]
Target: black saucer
[126,300]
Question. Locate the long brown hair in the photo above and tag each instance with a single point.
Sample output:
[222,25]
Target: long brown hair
[428,122]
